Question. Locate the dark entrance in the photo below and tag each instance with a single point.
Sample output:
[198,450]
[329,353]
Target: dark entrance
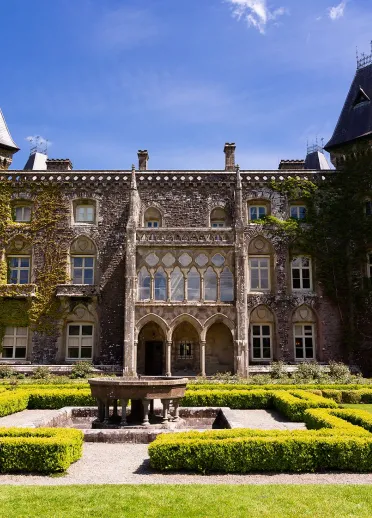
[154,358]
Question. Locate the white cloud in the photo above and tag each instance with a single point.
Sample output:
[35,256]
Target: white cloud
[38,141]
[337,11]
[256,12]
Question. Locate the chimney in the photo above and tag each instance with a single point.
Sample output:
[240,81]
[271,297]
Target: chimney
[291,165]
[229,151]
[58,164]
[143,158]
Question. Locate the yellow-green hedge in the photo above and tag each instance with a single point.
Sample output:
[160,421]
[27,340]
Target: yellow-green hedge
[45,450]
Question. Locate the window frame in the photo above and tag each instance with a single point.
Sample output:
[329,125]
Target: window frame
[303,336]
[259,257]
[297,206]
[261,336]
[19,269]
[80,347]
[14,347]
[22,206]
[257,207]
[310,268]
[218,224]
[83,268]
[152,223]
[77,204]
[185,343]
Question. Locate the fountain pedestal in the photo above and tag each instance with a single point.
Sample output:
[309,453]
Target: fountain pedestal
[112,393]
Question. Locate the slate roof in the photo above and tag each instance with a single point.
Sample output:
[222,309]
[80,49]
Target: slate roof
[5,136]
[316,161]
[36,162]
[356,117]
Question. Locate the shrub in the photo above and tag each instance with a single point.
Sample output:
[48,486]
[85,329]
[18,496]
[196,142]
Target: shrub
[41,372]
[241,399]
[43,450]
[6,371]
[293,404]
[13,401]
[52,399]
[81,369]
[338,371]
[277,370]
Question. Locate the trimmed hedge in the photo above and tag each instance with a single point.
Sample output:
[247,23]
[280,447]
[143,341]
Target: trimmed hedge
[238,399]
[44,450]
[336,445]
[304,386]
[11,402]
[53,399]
[293,404]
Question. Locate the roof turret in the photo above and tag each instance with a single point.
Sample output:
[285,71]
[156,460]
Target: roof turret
[6,140]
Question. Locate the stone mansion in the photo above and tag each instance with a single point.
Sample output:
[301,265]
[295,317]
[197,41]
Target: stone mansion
[163,272]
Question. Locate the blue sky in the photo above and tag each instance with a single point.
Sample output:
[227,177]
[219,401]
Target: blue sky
[103,78]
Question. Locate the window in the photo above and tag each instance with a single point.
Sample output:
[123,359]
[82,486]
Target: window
[152,218]
[82,269]
[79,341]
[193,285]
[301,273]
[261,341]
[185,351]
[259,273]
[84,213]
[218,218]
[304,341]
[257,212]
[177,285]
[22,214]
[160,282]
[19,270]
[210,285]
[368,208]
[152,223]
[15,343]
[144,285]
[298,211]
[218,224]
[227,285]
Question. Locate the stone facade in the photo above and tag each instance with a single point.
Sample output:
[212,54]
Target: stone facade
[165,247]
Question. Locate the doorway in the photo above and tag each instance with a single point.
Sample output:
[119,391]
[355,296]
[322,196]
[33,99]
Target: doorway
[153,358]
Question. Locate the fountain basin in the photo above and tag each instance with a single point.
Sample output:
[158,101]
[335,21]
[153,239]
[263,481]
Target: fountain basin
[111,392]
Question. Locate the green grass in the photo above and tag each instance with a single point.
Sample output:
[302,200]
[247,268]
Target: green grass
[186,501]
[358,406]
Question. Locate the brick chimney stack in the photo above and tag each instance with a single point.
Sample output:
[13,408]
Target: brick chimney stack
[59,164]
[143,158]
[229,151]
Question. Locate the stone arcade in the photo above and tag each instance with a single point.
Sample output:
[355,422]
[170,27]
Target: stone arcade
[169,272]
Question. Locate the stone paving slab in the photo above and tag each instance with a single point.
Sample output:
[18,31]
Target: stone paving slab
[262,420]
[104,463]
[28,418]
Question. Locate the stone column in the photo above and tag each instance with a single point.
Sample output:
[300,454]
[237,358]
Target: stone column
[131,280]
[168,358]
[241,330]
[202,357]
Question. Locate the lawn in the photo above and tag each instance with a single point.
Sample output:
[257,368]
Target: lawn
[186,501]
[358,406]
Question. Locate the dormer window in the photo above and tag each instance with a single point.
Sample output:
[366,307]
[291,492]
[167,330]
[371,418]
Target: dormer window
[152,218]
[361,98]
[22,213]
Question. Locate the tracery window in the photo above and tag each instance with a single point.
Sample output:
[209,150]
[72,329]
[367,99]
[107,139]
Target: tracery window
[144,284]
[210,285]
[193,284]
[160,285]
[177,285]
[226,285]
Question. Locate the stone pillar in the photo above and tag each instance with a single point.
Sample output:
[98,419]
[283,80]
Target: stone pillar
[168,358]
[241,279]
[202,357]
[131,281]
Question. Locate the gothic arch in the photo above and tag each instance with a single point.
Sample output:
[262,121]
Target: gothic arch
[151,317]
[83,244]
[184,318]
[260,245]
[304,313]
[218,318]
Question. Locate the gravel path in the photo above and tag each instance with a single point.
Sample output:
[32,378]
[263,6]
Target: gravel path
[129,464]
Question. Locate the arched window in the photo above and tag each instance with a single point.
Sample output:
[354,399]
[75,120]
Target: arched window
[193,284]
[152,218]
[160,281]
[219,218]
[177,285]
[227,285]
[83,259]
[144,284]
[210,285]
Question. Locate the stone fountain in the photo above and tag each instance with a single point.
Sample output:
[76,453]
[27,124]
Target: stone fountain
[111,393]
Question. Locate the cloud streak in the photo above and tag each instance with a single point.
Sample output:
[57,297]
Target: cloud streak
[337,11]
[256,13]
